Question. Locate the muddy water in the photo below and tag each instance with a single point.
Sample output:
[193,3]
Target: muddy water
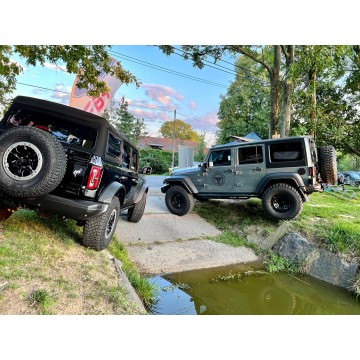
[243,290]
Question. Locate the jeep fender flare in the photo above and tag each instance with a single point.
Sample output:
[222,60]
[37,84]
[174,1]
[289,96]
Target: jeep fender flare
[179,180]
[140,193]
[287,178]
[114,189]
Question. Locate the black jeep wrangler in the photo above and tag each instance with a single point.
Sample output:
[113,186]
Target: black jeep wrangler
[68,162]
[281,172]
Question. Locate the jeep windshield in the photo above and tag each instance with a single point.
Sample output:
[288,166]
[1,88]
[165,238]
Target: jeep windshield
[64,130]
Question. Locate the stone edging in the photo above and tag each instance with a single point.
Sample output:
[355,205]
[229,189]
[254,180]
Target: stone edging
[317,262]
[125,283]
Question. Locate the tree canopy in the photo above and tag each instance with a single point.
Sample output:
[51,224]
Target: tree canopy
[183,131]
[310,89]
[245,107]
[84,60]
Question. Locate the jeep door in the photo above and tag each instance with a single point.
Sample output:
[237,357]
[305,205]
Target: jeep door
[130,177]
[250,168]
[219,177]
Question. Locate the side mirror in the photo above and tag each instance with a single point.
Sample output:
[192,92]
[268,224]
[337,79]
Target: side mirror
[147,170]
[205,165]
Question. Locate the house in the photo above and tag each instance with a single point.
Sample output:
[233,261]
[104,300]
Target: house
[165,144]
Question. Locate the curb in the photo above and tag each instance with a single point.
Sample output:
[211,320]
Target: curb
[125,283]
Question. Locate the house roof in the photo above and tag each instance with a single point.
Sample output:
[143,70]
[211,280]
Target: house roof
[166,144]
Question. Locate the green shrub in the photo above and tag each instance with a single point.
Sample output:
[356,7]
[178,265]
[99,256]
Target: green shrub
[159,160]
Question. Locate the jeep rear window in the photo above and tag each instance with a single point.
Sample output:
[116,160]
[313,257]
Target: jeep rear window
[63,129]
[291,151]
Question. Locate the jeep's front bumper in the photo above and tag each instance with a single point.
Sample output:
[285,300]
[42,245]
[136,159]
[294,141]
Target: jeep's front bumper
[73,209]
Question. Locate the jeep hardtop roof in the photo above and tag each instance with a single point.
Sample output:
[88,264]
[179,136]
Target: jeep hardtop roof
[81,116]
[259,142]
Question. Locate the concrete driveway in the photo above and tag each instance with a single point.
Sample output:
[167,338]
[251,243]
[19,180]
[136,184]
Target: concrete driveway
[163,243]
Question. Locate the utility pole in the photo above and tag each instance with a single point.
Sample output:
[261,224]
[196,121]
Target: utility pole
[173,150]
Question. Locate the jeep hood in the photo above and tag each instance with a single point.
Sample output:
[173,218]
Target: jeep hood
[186,171]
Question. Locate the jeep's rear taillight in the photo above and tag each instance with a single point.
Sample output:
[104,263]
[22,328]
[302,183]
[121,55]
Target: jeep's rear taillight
[94,177]
[312,172]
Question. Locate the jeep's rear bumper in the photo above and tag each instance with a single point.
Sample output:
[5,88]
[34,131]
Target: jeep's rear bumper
[313,188]
[73,209]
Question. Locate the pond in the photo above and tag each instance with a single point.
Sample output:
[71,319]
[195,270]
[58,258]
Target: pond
[247,290]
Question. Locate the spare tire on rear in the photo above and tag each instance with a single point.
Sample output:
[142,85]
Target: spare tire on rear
[327,164]
[32,162]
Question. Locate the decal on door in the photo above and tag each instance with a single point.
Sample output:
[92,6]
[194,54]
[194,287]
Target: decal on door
[218,178]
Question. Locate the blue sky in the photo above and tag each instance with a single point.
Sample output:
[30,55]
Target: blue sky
[196,102]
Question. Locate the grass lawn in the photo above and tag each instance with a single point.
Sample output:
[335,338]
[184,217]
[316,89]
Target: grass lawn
[45,270]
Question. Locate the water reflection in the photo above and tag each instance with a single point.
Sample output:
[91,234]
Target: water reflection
[233,291]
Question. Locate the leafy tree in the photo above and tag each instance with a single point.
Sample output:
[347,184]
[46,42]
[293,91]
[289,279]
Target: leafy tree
[288,89]
[245,107]
[199,156]
[183,131]
[326,98]
[317,67]
[259,54]
[85,60]
[353,80]
[124,121]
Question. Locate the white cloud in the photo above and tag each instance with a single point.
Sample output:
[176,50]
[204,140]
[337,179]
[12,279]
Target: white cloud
[61,93]
[207,122]
[55,67]
[165,95]
[192,105]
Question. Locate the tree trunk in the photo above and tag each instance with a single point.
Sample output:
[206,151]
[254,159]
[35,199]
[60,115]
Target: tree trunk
[288,89]
[274,92]
[312,78]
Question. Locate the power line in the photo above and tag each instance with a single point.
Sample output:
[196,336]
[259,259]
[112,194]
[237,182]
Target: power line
[215,66]
[220,66]
[173,72]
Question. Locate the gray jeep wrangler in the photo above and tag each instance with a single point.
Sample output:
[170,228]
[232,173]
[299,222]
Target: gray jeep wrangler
[281,172]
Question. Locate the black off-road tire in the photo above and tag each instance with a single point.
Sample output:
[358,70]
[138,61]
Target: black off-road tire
[179,201]
[282,202]
[327,164]
[99,230]
[32,162]
[135,214]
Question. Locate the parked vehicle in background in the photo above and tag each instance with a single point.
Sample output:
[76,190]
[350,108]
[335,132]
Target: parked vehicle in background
[281,172]
[352,178]
[68,162]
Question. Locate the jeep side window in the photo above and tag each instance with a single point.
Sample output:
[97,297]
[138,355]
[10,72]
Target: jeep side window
[220,158]
[113,148]
[250,155]
[134,160]
[126,156]
[290,151]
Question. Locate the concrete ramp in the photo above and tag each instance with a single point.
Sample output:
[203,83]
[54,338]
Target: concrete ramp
[154,228]
[164,243]
[157,259]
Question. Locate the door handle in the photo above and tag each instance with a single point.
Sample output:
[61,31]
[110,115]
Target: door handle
[228,171]
[256,169]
